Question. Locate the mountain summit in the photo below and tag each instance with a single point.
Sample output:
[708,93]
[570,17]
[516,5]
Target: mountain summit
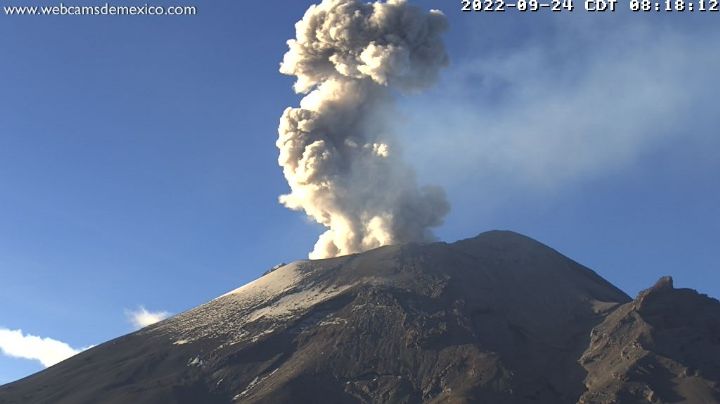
[499,318]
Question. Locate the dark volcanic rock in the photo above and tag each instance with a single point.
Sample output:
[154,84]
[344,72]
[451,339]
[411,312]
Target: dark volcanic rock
[663,347]
[499,318]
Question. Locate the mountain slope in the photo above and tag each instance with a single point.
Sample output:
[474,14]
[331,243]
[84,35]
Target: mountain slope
[662,347]
[497,318]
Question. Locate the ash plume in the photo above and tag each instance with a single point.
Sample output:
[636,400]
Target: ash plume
[341,163]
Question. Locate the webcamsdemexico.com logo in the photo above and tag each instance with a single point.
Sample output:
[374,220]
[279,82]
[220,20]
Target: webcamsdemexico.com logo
[106,9]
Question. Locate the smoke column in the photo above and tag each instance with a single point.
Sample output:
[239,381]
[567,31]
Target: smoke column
[344,171]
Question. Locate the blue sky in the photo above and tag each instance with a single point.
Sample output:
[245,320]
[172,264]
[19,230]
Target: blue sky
[138,165]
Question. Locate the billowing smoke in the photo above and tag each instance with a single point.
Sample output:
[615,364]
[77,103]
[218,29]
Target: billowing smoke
[344,170]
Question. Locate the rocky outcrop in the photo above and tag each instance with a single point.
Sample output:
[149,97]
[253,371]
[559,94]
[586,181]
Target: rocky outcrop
[663,347]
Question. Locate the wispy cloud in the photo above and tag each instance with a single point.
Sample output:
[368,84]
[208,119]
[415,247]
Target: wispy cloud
[142,317]
[48,351]
[573,101]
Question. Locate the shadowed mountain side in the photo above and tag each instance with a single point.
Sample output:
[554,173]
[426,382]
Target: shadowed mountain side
[497,318]
[662,347]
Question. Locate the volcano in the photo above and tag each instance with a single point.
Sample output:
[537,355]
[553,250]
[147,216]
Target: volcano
[499,318]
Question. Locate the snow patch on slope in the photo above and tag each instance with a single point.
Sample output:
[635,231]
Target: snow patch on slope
[257,308]
[292,303]
[274,283]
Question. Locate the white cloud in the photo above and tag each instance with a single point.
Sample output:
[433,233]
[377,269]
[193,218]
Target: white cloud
[48,351]
[142,317]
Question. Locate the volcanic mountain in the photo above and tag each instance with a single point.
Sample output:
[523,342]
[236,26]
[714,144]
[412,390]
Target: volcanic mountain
[499,318]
